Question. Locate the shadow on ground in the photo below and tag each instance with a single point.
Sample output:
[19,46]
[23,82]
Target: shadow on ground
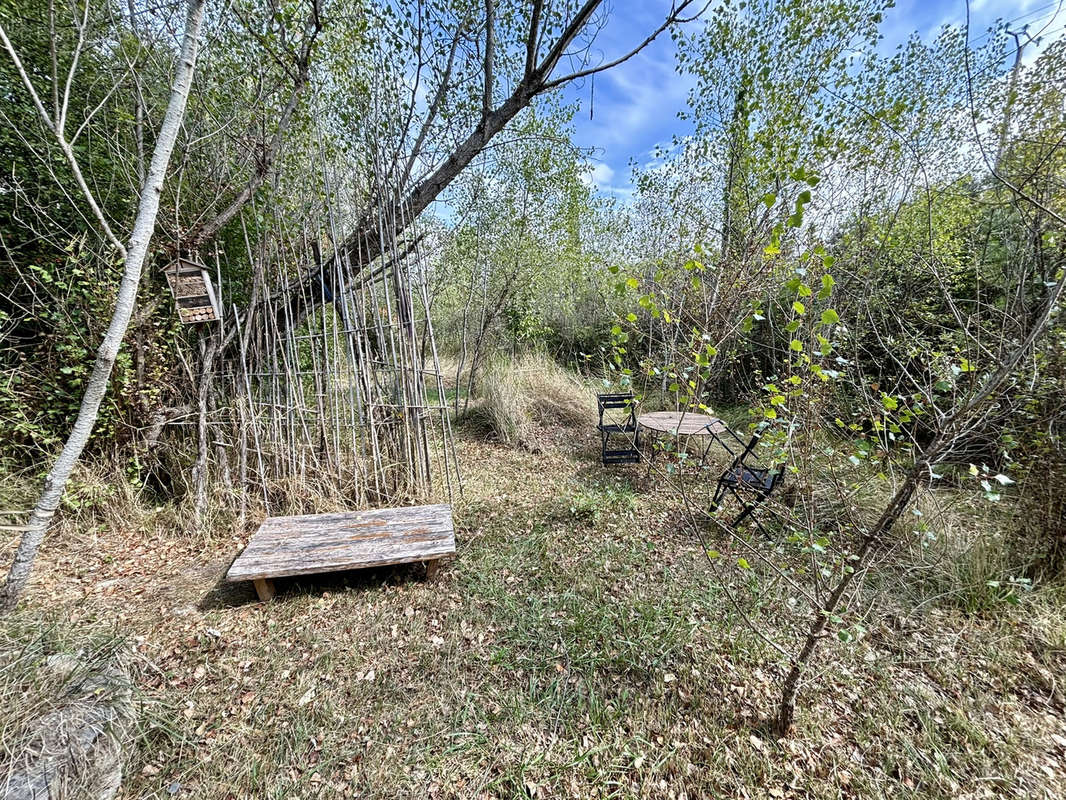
[233,595]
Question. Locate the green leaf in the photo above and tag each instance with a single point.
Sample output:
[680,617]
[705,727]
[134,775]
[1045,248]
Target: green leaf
[743,563]
[796,345]
[830,317]
[827,283]
[798,307]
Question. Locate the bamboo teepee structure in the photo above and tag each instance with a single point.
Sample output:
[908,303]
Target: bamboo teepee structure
[347,391]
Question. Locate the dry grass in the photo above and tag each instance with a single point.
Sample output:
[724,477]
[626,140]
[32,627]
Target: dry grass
[515,398]
[578,647]
[65,707]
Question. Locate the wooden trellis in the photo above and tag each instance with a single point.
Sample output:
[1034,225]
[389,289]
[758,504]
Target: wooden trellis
[193,293]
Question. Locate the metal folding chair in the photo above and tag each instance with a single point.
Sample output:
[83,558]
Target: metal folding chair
[612,453]
[749,484]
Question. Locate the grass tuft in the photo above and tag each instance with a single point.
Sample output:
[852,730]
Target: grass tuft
[515,398]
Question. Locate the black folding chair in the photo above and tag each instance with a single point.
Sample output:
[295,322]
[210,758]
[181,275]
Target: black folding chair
[612,453]
[749,484]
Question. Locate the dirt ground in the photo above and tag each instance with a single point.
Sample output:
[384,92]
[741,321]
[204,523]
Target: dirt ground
[578,646]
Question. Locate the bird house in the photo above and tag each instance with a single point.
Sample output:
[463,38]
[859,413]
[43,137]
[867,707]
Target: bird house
[193,293]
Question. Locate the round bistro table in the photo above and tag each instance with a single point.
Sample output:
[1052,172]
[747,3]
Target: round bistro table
[681,423]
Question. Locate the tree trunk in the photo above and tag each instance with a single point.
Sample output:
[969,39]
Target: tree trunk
[207,376]
[786,710]
[136,252]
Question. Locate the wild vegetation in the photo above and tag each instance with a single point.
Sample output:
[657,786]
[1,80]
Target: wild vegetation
[859,253]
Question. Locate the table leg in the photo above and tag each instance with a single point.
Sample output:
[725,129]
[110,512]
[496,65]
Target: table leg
[264,588]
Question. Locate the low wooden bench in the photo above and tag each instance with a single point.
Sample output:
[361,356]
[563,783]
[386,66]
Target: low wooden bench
[317,543]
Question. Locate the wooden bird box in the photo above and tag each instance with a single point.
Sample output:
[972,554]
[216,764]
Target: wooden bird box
[193,293]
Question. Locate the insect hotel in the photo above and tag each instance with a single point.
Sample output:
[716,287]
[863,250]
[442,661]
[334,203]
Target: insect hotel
[193,293]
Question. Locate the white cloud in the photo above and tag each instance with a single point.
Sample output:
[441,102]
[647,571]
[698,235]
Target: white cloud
[602,175]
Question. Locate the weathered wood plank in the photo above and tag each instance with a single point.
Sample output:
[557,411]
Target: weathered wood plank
[316,543]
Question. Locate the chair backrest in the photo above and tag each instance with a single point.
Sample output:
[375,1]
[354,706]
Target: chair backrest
[619,400]
[775,477]
[738,459]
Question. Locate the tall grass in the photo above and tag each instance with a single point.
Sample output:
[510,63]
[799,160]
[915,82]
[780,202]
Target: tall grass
[516,397]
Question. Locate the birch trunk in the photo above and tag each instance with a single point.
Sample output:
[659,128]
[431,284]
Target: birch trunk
[136,252]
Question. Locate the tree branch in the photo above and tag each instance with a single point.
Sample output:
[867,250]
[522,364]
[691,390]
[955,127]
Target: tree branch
[673,18]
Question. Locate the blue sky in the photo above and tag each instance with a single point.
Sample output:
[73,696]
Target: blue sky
[634,106]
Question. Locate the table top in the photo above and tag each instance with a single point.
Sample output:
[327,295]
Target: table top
[681,423]
[315,543]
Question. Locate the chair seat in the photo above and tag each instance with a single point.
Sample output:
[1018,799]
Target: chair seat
[750,478]
[621,455]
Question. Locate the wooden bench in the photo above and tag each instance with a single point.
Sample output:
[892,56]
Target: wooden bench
[317,543]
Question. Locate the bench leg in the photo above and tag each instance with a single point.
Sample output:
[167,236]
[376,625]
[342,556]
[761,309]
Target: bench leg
[264,588]
[431,569]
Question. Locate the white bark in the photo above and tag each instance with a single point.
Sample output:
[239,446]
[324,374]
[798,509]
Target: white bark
[136,251]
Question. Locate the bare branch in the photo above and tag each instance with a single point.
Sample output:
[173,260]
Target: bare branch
[672,19]
[490,48]
[64,146]
[532,38]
